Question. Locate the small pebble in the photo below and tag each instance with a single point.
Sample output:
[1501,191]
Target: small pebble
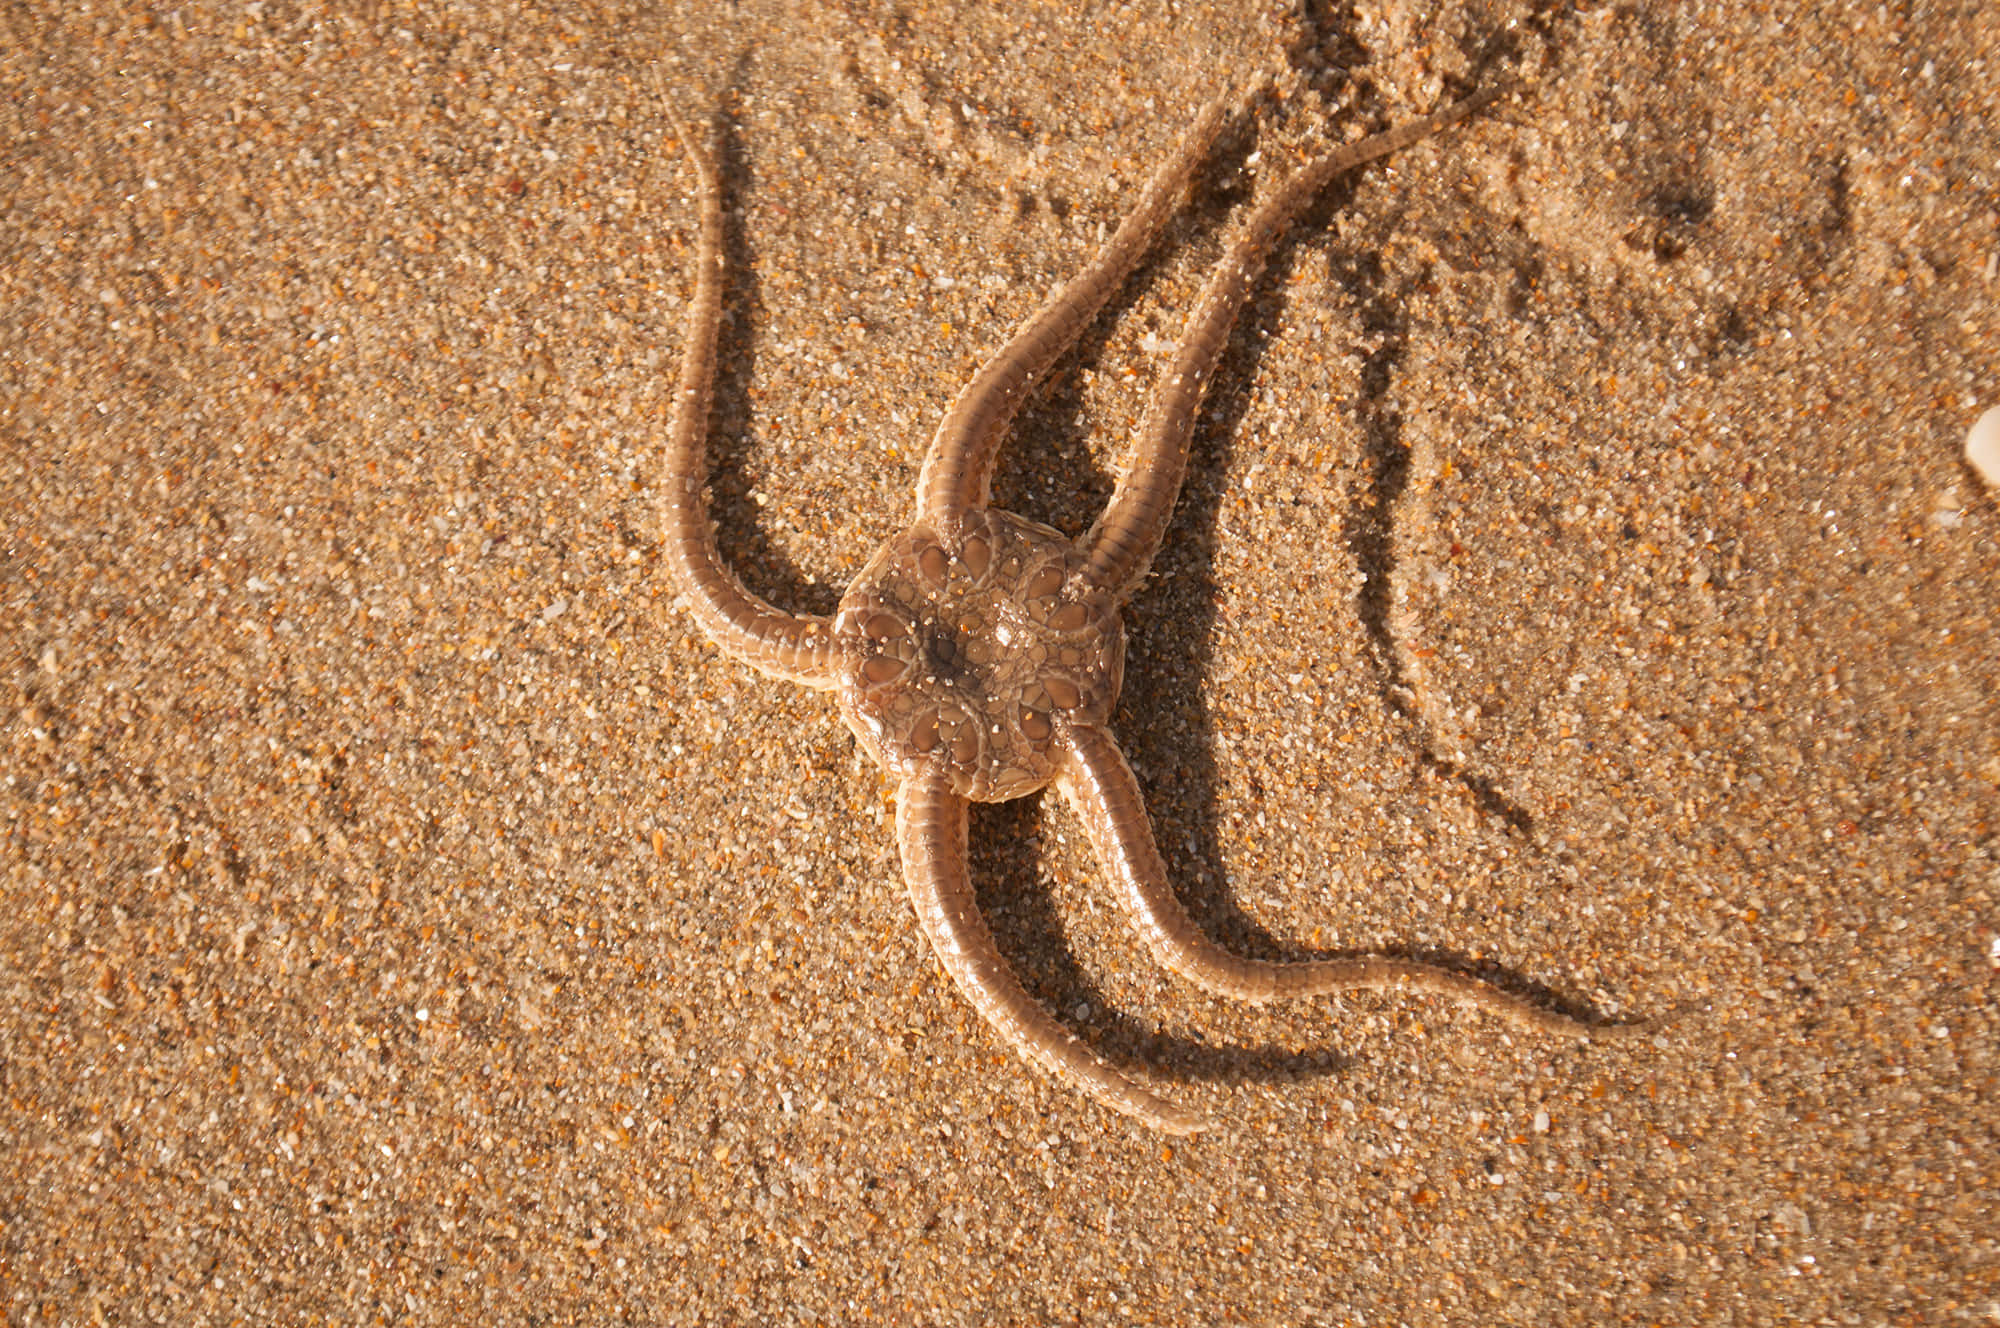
[1982,447]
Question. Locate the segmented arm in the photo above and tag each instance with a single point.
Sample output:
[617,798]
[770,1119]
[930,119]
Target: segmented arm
[1125,537]
[793,646]
[930,829]
[1100,786]
[958,469]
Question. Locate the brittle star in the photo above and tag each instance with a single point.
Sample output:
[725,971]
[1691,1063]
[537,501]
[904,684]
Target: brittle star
[979,654]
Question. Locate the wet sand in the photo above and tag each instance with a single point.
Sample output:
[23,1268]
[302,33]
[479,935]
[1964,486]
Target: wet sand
[410,919]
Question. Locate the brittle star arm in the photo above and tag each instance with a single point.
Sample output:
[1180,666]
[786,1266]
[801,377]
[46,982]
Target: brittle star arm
[1101,787]
[794,646]
[930,830]
[958,468]
[1126,535]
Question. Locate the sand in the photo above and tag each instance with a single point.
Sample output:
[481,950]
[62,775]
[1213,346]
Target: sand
[410,919]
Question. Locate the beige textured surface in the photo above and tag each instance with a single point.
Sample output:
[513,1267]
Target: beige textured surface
[408,920]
